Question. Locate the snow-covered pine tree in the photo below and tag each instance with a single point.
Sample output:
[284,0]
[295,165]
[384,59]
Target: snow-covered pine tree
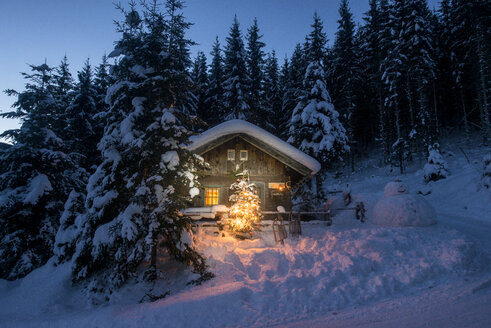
[102,81]
[315,126]
[237,81]
[392,77]
[377,38]
[82,132]
[272,93]
[178,48]
[214,95]
[147,175]
[292,85]
[345,70]
[415,48]
[259,110]
[288,100]
[81,120]
[37,179]
[200,78]
[470,46]
[436,167]
[62,90]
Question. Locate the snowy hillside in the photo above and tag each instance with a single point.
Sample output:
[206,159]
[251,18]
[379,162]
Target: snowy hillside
[349,274]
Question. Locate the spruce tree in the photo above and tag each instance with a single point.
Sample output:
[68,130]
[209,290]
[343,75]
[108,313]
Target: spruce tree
[345,70]
[38,176]
[293,86]
[146,176]
[237,81]
[288,100]
[393,70]
[81,120]
[416,47]
[102,81]
[82,132]
[215,91]
[259,111]
[315,126]
[470,48]
[200,78]
[272,94]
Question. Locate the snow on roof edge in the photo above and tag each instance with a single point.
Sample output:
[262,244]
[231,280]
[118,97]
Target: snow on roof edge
[241,126]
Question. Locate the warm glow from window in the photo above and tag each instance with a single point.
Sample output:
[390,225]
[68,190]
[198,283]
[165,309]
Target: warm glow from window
[276,185]
[212,196]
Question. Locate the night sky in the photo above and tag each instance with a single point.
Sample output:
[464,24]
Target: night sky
[32,30]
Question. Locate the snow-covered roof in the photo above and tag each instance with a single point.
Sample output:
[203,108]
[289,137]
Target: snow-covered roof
[272,145]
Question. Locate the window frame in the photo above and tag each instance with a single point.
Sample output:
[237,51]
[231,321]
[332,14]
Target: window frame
[246,155]
[230,151]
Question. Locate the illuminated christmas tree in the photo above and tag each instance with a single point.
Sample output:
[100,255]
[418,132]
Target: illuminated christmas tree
[245,212]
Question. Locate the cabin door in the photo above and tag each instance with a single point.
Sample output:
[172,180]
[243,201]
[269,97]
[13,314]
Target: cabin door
[261,192]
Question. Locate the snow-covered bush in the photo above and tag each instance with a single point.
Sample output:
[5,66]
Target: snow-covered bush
[486,172]
[436,168]
[400,209]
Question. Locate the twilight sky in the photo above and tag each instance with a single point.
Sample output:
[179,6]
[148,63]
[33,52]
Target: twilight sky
[32,30]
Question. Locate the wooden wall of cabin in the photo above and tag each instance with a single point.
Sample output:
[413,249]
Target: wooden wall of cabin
[263,169]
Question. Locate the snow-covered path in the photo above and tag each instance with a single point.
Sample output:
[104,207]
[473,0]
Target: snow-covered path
[463,304]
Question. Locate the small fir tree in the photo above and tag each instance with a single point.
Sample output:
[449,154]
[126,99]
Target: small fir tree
[436,168]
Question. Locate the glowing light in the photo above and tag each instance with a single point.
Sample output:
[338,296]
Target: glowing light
[245,213]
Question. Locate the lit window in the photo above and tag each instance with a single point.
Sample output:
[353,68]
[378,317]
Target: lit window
[277,185]
[231,155]
[212,196]
[243,155]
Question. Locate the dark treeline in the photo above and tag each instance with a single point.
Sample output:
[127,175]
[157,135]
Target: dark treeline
[396,80]
[97,172]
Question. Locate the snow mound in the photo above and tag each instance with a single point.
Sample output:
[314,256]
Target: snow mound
[404,210]
[395,188]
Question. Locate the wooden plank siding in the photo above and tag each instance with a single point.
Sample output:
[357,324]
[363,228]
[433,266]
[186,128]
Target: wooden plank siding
[262,169]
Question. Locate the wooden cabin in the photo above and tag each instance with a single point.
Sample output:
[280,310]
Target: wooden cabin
[274,166]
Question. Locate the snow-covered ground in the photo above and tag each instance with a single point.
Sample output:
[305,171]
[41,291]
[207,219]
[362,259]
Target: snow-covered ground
[351,274]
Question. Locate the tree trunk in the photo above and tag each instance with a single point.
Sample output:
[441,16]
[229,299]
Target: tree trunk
[383,132]
[435,107]
[153,256]
[466,123]
[410,101]
[483,97]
